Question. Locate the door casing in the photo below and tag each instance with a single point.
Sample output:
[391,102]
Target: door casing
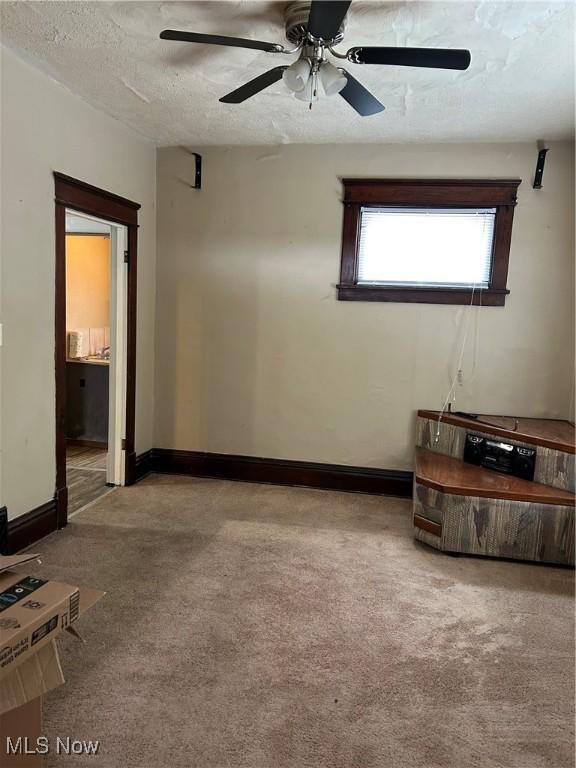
[85,198]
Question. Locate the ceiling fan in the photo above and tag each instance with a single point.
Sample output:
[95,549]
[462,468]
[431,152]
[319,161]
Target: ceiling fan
[315,28]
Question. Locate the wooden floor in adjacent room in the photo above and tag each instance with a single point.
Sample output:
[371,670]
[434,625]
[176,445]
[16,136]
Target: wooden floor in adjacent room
[85,475]
[259,626]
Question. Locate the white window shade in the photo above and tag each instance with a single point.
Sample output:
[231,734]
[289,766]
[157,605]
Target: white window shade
[439,247]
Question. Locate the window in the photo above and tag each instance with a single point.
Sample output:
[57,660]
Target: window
[426,241]
[448,247]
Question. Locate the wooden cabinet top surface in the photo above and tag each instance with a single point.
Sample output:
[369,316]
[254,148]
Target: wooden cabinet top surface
[449,475]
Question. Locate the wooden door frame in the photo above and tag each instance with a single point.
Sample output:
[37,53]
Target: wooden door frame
[85,198]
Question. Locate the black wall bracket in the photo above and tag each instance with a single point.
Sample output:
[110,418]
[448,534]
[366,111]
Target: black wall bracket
[198,172]
[539,166]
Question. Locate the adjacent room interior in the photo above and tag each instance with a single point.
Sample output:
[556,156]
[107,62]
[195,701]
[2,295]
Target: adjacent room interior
[88,261]
[287,384]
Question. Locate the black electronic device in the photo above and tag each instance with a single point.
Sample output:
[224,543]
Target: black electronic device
[514,460]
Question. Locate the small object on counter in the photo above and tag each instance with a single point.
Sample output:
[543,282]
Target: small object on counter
[77,344]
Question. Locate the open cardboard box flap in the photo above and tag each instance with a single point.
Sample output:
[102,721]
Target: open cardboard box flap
[88,597]
[7,562]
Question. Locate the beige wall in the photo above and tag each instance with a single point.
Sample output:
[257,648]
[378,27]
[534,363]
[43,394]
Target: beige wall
[46,128]
[87,281]
[255,356]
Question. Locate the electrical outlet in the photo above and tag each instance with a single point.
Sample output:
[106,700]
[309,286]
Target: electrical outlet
[3,531]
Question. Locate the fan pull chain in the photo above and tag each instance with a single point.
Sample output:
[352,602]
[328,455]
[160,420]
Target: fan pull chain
[314,89]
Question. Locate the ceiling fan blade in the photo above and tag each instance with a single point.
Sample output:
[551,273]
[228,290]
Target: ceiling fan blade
[326,17]
[254,86]
[236,42]
[359,98]
[439,58]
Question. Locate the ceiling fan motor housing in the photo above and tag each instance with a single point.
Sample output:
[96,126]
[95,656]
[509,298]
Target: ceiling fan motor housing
[296,18]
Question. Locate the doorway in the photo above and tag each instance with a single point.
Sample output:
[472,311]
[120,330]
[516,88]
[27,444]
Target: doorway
[95,357]
[95,343]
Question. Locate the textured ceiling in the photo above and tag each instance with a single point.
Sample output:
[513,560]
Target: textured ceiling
[519,86]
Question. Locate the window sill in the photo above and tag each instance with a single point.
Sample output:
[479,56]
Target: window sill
[491,297]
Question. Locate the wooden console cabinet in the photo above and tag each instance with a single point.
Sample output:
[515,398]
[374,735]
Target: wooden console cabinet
[459,507]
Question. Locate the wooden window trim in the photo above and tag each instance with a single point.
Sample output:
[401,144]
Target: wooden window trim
[439,193]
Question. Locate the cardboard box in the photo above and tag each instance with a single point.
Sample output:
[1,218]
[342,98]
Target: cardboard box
[33,612]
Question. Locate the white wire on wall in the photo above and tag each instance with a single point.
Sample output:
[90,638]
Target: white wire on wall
[458,377]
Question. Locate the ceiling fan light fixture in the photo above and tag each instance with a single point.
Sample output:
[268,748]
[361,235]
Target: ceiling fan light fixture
[297,75]
[309,93]
[332,79]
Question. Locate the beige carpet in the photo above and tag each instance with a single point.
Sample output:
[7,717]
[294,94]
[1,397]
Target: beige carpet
[252,626]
